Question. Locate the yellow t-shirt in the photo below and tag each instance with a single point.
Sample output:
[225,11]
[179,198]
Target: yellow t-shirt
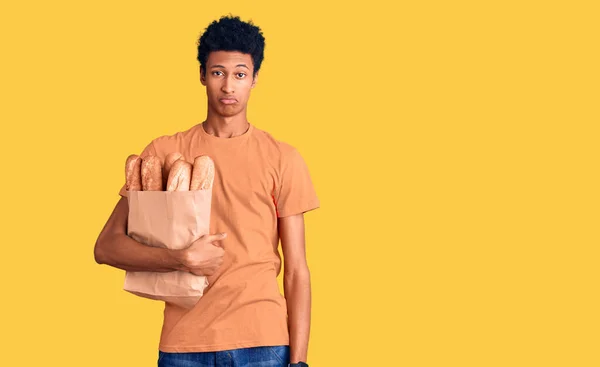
[257,179]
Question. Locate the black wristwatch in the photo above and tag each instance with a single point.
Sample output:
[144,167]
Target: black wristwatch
[299,364]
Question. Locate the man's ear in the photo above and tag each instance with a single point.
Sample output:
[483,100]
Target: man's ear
[202,76]
[254,80]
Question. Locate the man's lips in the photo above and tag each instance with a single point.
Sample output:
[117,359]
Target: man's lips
[228,100]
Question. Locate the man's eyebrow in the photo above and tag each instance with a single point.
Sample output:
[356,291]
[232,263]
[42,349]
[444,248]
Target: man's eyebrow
[221,66]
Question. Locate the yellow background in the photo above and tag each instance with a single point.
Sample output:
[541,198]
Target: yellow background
[453,145]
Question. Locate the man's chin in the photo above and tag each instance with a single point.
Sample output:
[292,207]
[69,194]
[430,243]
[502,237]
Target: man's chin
[229,112]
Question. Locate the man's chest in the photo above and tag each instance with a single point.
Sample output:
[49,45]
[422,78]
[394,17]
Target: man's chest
[242,175]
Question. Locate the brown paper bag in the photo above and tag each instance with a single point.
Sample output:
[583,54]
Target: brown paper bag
[171,219]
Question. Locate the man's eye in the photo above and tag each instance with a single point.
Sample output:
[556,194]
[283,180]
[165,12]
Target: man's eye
[241,75]
[214,72]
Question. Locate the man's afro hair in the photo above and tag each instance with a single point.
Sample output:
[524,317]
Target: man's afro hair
[232,34]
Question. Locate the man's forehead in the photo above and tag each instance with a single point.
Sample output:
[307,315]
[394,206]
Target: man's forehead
[229,58]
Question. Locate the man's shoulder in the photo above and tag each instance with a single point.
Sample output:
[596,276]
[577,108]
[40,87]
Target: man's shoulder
[267,139]
[170,138]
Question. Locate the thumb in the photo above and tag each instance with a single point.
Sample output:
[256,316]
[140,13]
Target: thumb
[217,237]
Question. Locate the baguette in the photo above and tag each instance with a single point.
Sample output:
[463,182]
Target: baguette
[203,173]
[179,176]
[152,174]
[133,178]
[169,160]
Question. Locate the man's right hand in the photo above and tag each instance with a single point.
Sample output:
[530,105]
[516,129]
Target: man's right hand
[203,256]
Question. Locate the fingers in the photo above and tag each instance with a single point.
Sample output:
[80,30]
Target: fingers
[213,239]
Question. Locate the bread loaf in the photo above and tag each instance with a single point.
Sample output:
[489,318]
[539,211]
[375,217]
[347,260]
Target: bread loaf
[179,176]
[133,178]
[203,173]
[169,160]
[149,174]
[152,174]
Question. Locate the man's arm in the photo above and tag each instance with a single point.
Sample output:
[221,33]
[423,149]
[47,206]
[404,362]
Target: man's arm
[297,289]
[115,248]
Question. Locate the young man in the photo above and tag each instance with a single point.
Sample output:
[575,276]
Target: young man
[261,189]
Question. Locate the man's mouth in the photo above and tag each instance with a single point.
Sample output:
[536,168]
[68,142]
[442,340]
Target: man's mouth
[228,100]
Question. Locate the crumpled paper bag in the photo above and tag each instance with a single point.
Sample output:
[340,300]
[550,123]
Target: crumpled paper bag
[170,219]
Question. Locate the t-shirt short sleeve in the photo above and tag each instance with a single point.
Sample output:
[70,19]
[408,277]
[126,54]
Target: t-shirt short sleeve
[296,193]
[148,150]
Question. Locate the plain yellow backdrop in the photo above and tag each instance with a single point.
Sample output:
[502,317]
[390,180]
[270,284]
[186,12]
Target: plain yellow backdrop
[453,145]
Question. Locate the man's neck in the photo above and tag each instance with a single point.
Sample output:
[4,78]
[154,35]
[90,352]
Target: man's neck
[226,127]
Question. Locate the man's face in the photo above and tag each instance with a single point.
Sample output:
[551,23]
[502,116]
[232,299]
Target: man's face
[228,80]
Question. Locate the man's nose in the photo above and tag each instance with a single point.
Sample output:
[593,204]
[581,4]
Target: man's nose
[227,86]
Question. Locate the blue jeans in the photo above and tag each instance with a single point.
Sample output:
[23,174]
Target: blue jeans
[276,356]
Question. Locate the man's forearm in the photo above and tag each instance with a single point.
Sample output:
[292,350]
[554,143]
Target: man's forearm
[123,252]
[298,297]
